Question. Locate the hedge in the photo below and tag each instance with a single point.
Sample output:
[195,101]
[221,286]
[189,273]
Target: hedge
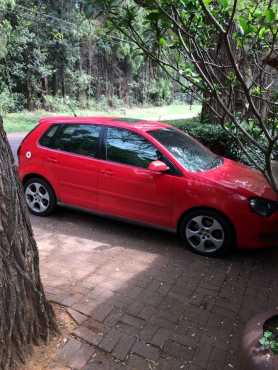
[218,140]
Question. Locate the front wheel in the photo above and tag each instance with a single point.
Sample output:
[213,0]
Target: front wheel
[207,233]
[40,197]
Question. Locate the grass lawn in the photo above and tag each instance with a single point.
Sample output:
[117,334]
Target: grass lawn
[177,114]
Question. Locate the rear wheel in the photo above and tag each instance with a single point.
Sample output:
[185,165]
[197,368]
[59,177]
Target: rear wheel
[40,197]
[207,233]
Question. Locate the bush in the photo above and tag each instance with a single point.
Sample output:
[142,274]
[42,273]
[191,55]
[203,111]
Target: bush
[221,142]
[160,91]
[10,102]
[214,137]
[105,103]
[58,104]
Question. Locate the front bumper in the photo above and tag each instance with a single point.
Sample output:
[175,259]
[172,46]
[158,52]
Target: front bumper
[258,232]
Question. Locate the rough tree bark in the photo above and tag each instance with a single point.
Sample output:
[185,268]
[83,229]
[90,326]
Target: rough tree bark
[236,102]
[26,318]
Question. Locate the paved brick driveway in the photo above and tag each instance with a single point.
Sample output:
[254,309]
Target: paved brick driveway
[142,302]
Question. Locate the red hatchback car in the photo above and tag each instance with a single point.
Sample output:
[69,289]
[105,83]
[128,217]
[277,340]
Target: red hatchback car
[151,173]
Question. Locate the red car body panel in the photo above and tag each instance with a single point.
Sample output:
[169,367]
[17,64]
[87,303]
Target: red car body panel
[141,195]
[136,193]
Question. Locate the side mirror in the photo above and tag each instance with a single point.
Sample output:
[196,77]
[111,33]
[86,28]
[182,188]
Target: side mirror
[158,167]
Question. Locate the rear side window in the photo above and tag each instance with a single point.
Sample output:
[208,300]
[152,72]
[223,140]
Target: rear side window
[79,139]
[48,138]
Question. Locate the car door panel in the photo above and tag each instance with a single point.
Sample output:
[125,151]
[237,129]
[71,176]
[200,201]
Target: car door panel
[78,180]
[72,162]
[135,192]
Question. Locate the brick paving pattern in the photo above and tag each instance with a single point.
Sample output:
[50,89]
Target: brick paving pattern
[143,302]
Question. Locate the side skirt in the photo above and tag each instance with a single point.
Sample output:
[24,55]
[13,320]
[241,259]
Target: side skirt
[117,218]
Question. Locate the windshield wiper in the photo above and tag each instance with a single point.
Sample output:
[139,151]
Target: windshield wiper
[216,162]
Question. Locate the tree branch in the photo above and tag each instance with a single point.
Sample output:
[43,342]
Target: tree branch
[211,17]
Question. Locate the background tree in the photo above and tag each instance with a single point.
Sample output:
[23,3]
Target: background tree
[225,51]
[58,50]
[26,316]
[222,52]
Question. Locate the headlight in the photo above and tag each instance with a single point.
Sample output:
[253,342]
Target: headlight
[263,207]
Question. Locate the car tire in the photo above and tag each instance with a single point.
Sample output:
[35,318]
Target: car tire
[207,232]
[39,196]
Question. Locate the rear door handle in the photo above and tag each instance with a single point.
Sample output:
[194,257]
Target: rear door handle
[106,172]
[52,160]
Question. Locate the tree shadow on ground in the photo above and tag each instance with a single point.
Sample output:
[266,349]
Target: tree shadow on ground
[146,300]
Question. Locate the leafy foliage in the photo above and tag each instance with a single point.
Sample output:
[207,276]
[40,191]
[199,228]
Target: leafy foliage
[269,342]
[54,50]
[10,102]
[218,140]
[224,51]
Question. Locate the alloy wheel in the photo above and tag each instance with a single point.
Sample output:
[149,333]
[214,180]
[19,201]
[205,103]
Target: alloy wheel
[37,197]
[205,234]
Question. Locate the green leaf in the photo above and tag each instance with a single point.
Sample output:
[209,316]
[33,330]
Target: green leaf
[274,346]
[162,42]
[264,342]
[245,26]
[231,76]
[269,15]
[268,334]
[262,32]
[224,3]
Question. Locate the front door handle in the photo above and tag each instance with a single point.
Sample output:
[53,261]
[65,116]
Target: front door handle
[143,173]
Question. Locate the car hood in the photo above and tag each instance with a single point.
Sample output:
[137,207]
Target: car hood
[239,177]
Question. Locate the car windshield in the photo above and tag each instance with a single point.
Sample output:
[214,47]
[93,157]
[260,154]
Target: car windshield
[189,152]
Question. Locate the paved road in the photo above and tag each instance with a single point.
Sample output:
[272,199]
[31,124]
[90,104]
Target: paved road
[139,298]
[15,140]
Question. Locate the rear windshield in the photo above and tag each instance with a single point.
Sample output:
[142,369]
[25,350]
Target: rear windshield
[189,152]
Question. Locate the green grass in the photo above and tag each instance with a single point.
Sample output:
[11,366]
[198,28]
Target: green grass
[176,114]
[182,121]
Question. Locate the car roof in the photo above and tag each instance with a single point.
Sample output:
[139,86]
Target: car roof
[123,122]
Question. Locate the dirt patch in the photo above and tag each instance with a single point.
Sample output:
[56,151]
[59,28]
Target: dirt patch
[44,357]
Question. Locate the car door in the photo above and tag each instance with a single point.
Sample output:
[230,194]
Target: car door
[126,187]
[74,164]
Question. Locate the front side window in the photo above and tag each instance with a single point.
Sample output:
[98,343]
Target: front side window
[189,152]
[124,146]
[79,139]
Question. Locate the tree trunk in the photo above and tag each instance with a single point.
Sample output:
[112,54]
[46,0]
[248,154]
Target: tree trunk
[26,318]
[29,93]
[236,101]
[207,114]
